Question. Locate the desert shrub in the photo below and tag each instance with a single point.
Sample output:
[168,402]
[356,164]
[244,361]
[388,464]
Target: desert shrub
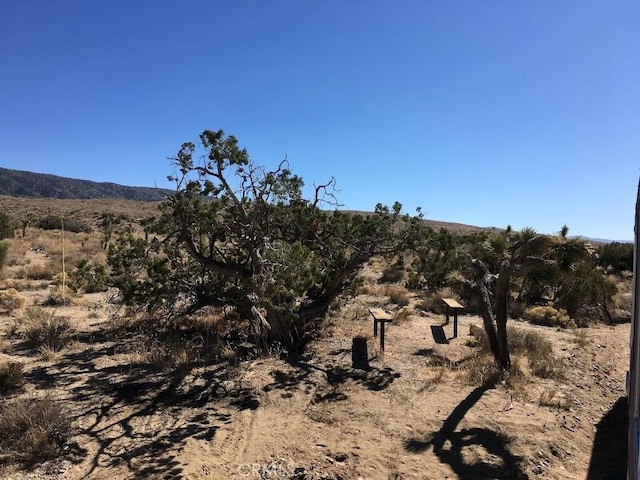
[428,303]
[548,367]
[482,370]
[11,300]
[88,277]
[432,301]
[4,254]
[392,274]
[399,296]
[163,355]
[616,256]
[43,329]
[531,345]
[546,315]
[56,297]
[11,375]
[39,272]
[403,314]
[24,285]
[7,226]
[54,222]
[550,398]
[587,291]
[368,289]
[33,429]
[580,337]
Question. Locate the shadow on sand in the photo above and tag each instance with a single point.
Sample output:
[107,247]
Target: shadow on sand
[438,334]
[137,416]
[609,454]
[328,389]
[448,444]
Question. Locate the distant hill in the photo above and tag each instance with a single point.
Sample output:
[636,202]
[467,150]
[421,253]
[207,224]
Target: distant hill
[17,183]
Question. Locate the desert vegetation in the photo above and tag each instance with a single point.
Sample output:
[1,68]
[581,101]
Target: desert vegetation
[239,293]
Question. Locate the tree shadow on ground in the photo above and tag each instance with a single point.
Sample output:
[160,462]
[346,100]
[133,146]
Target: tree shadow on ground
[143,419]
[302,375]
[609,453]
[138,416]
[448,445]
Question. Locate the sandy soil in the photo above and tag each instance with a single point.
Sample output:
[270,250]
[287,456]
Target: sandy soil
[316,417]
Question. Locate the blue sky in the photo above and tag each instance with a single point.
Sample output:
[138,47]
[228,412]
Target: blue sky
[487,113]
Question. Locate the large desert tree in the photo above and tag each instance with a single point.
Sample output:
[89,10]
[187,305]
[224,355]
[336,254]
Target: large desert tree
[238,234]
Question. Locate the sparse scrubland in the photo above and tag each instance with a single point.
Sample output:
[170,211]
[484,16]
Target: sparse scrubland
[210,336]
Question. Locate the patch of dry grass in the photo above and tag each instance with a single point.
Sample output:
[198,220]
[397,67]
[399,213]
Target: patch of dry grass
[11,376]
[161,355]
[46,271]
[551,398]
[45,330]
[439,376]
[11,300]
[432,301]
[33,429]
[524,345]
[403,314]
[23,285]
[392,274]
[398,295]
[580,337]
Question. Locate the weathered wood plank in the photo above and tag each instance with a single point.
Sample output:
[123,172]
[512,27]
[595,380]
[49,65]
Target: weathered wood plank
[452,303]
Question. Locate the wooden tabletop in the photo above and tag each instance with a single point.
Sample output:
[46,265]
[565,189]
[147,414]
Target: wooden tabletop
[380,315]
[452,303]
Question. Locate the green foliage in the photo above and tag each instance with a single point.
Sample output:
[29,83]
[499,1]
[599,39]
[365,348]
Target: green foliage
[586,290]
[88,277]
[556,269]
[108,222]
[235,233]
[437,256]
[6,226]
[539,268]
[55,222]
[617,256]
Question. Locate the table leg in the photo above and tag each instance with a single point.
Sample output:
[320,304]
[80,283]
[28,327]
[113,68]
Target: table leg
[455,324]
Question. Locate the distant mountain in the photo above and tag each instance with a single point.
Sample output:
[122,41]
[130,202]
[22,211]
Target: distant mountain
[17,183]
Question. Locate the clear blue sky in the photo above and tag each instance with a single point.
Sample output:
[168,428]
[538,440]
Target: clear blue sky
[482,112]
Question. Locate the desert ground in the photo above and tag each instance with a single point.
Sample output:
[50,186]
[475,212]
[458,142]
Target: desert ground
[420,411]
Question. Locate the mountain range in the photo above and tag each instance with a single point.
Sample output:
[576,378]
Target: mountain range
[17,183]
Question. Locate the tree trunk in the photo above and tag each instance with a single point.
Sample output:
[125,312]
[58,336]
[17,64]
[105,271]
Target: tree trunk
[501,300]
[282,328]
[495,321]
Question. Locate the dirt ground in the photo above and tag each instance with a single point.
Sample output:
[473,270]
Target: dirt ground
[317,417]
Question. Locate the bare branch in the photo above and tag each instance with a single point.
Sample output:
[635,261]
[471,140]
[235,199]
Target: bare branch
[322,193]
